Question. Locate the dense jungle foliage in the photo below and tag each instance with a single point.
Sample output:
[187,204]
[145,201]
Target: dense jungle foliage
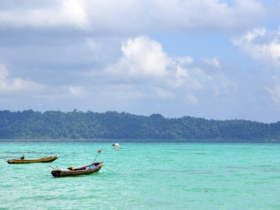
[113,125]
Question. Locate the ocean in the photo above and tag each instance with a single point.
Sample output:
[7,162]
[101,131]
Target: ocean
[153,174]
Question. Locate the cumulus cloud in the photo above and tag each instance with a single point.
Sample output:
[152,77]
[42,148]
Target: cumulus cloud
[71,49]
[143,58]
[262,45]
[145,62]
[144,79]
[60,13]
[125,16]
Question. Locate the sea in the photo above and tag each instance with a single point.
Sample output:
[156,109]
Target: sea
[144,174]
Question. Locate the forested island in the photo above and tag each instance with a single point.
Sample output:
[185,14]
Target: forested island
[113,125]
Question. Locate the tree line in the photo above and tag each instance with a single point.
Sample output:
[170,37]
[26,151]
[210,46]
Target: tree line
[29,124]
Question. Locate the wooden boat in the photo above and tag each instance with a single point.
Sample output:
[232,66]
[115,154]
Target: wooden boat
[88,169]
[40,160]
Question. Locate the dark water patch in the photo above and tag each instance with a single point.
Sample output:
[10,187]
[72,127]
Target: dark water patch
[139,141]
[232,167]
[267,168]
[181,149]
[204,190]
[199,172]
[271,171]
[263,166]
[239,167]
[189,149]
[255,168]
[40,153]
[34,197]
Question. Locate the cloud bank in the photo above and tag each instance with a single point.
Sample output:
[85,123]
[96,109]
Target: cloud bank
[114,55]
[111,16]
[145,63]
[261,45]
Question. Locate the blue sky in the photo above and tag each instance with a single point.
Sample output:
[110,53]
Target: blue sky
[214,59]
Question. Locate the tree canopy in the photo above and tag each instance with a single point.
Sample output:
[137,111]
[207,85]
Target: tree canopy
[29,124]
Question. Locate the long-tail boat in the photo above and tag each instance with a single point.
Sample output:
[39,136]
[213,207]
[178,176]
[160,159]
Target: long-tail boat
[40,160]
[71,171]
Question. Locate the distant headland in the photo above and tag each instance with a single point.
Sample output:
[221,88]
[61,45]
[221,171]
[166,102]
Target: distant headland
[113,125]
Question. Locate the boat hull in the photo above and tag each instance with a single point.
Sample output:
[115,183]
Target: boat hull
[41,160]
[78,171]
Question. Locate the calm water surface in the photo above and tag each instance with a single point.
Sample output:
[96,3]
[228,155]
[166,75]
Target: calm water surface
[143,175]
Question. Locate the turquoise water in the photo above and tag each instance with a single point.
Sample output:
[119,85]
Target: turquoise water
[143,176]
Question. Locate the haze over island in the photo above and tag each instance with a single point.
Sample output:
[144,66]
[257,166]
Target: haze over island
[213,59]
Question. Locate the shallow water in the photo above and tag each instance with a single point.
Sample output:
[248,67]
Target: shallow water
[162,175]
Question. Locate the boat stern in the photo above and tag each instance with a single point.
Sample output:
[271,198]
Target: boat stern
[55,173]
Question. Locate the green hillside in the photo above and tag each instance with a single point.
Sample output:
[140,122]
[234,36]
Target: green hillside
[113,125]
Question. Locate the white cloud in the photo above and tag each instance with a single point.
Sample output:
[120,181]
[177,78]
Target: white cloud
[125,16]
[274,88]
[39,43]
[191,79]
[15,84]
[253,34]
[184,60]
[77,91]
[176,15]
[213,62]
[3,72]
[275,93]
[14,87]
[262,46]
[144,62]
[142,58]
[60,13]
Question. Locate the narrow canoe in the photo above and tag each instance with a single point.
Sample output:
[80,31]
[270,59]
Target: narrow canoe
[88,169]
[40,160]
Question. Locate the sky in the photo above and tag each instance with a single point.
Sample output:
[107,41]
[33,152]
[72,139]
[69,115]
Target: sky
[213,59]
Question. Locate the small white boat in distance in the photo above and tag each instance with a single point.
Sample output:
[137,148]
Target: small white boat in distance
[116,145]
